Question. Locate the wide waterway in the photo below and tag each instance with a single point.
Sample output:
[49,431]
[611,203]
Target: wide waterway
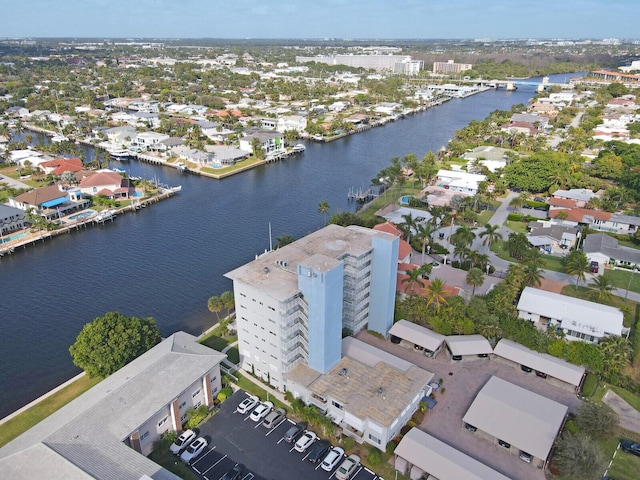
[168,259]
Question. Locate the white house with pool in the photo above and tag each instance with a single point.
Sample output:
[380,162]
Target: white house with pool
[459,181]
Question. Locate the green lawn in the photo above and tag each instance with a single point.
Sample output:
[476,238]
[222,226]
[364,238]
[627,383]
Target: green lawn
[625,466]
[27,419]
[162,456]
[589,385]
[248,386]
[485,216]
[518,227]
[620,279]
[550,262]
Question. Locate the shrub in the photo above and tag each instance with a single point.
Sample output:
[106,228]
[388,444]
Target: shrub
[375,457]
[196,416]
[348,443]
[227,391]
[221,397]
[391,447]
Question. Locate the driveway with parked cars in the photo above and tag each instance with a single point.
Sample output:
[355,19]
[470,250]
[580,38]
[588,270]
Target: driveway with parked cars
[235,439]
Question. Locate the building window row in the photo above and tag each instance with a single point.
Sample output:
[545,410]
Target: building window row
[163,421]
[144,435]
[196,393]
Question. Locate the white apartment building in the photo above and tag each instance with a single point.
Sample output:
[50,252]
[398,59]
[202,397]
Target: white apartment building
[293,303]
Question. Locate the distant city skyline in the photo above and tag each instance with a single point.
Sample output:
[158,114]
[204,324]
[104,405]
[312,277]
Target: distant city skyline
[319,19]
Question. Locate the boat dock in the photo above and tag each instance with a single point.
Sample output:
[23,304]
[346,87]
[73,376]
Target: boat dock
[361,195]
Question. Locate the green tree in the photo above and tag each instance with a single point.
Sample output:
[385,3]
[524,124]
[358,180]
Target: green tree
[435,293]
[228,301]
[601,288]
[490,235]
[463,236]
[323,209]
[283,240]
[475,278]
[517,245]
[413,279]
[595,420]
[616,352]
[579,457]
[577,264]
[215,305]
[110,342]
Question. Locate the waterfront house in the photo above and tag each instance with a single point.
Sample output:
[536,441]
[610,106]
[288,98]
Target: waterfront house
[459,181]
[578,319]
[105,182]
[60,165]
[121,135]
[20,157]
[106,433]
[11,219]
[49,202]
[225,155]
[146,140]
[271,142]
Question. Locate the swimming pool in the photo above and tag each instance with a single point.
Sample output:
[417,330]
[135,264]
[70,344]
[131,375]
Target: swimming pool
[81,215]
[13,236]
[404,200]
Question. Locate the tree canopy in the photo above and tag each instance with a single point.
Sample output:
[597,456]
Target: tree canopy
[110,342]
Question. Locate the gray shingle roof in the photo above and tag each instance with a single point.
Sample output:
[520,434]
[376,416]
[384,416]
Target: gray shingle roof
[608,246]
[89,432]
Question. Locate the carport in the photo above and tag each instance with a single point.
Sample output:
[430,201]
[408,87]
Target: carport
[425,453]
[414,334]
[467,347]
[554,370]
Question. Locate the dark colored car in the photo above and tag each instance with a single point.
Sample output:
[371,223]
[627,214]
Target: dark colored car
[630,447]
[294,432]
[395,339]
[524,368]
[319,450]
[234,474]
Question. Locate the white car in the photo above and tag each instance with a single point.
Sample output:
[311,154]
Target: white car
[261,411]
[247,404]
[347,467]
[193,450]
[331,460]
[182,442]
[305,441]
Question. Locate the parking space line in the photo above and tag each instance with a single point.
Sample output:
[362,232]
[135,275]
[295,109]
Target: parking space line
[278,442]
[274,428]
[370,471]
[356,474]
[292,448]
[305,457]
[201,457]
[214,464]
[248,476]
[259,423]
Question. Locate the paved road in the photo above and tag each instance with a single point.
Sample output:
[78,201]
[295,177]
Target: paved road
[12,182]
[628,417]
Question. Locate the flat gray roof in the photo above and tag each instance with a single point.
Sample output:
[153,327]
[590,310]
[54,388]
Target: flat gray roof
[417,334]
[442,460]
[541,362]
[87,434]
[526,420]
[468,345]
[379,391]
[275,272]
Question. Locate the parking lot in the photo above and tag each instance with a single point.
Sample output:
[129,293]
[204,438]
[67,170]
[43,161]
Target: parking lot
[234,438]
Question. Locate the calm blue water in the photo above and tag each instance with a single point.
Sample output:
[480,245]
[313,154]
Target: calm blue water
[166,260]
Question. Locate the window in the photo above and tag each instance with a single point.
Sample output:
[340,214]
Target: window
[196,393]
[338,405]
[144,435]
[183,418]
[374,439]
[182,405]
[198,404]
[163,421]
[214,378]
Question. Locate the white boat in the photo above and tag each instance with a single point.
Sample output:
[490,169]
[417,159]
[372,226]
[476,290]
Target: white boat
[299,148]
[104,216]
[57,138]
[176,189]
[181,167]
[120,153]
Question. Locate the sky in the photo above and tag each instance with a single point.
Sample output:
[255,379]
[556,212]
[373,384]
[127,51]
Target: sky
[318,19]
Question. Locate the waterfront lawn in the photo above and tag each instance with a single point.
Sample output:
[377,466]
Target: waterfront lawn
[37,413]
[238,166]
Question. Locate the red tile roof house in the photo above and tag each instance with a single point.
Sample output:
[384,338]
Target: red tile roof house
[61,165]
[107,183]
[404,249]
[50,201]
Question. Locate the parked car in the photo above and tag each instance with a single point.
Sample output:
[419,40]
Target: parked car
[630,447]
[247,404]
[182,442]
[346,468]
[594,267]
[294,432]
[305,441]
[235,473]
[274,418]
[318,451]
[261,411]
[470,427]
[193,450]
[541,374]
[332,459]
[526,457]
[524,368]
[395,339]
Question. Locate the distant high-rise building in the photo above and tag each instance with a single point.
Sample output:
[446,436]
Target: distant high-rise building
[293,303]
[403,64]
[450,67]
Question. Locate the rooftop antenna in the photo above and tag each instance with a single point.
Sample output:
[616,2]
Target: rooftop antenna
[270,241]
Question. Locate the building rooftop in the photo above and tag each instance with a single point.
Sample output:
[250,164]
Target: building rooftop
[417,334]
[524,419]
[442,460]
[468,345]
[541,362]
[608,245]
[380,392]
[275,272]
[87,435]
[575,314]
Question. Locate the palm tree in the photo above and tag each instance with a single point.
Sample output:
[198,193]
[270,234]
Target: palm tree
[408,225]
[577,264]
[532,275]
[492,235]
[475,278]
[534,258]
[323,209]
[463,236]
[462,252]
[228,301]
[285,239]
[435,293]
[424,233]
[601,288]
[215,305]
[413,279]
[616,353]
